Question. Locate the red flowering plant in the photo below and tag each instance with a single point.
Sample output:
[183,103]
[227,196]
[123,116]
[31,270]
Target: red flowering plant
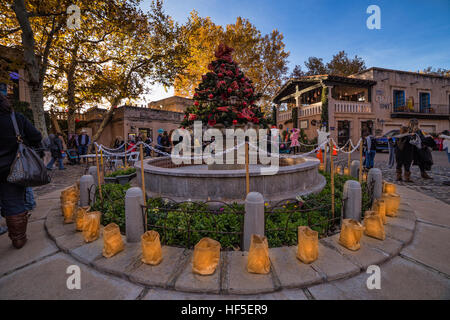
[225,95]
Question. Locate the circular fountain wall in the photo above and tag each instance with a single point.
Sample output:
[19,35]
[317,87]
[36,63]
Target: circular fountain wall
[295,176]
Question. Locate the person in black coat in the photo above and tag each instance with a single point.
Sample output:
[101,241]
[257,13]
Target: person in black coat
[404,154]
[422,156]
[56,150]
[12,197]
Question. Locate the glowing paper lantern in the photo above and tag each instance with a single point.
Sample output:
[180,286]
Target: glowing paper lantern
[373,225]
[151,248]
[364,176]
[389,188]
[346,171]
[380,206]
[70,194]
[321,167]
[68,209]
[351,232]
[112,240]
[338,170]
[308,245]
[258,255]
[81,213]
[392,203]
[91,226]
[206,256]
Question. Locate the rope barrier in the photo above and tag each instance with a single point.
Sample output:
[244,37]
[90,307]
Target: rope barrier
[108,151]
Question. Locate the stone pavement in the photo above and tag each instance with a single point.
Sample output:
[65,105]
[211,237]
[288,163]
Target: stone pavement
[435,188]
[414,262]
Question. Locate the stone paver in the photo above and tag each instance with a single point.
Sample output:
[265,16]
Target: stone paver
[400,279]
[398,233]
[190,282]
[332,265]
[60,180]
[431,246]
[291,272]
[37,247]
[88,252]
[242,282]
[47,279]
[123,262]
[363,257]
[162,274]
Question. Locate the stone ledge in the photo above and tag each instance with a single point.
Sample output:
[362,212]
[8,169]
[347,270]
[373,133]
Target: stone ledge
[231,277]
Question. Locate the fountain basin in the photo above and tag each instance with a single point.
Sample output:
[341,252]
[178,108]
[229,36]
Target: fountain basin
[295,176]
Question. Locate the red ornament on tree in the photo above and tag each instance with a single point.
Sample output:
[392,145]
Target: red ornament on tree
[234,122]
[211,96]
[196,103]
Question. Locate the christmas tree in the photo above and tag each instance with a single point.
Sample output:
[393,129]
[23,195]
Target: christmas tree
[225,95]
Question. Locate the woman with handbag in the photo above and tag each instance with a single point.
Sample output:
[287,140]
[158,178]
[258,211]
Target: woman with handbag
[12,195]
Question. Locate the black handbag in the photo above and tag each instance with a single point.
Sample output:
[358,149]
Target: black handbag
[27,169]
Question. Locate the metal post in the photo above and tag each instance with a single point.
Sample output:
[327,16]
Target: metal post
[349,156]
[360,160]
[126,164]
[98,173]
[247,174]
[332,177]
[143,182]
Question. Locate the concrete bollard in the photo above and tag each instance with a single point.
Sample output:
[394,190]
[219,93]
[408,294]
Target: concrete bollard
[352,200]
[93,172]
[376,176]
[254,217]
[86,186]
[354,169]
[134,220]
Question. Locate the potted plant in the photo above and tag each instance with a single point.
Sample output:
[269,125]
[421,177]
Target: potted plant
[121,176]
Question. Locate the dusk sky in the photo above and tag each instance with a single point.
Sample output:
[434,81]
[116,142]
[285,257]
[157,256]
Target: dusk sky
[414,34]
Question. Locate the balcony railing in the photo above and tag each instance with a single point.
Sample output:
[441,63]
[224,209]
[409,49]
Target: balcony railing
[285,115]
[432,109]
[311,110]
[352,107]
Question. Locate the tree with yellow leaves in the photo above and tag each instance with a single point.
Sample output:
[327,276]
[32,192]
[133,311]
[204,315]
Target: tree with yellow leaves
[262,58]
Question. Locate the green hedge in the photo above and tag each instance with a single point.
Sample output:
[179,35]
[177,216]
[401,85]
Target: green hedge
[177,218]
[123,172]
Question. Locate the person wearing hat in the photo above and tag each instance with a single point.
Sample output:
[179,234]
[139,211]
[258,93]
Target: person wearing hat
[83,143]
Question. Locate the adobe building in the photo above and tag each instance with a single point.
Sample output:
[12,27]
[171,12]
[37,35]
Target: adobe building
[129,122]
[375,100]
